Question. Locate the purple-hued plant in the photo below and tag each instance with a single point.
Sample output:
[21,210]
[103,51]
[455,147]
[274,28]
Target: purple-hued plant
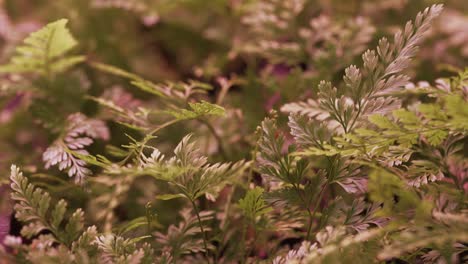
[149,132]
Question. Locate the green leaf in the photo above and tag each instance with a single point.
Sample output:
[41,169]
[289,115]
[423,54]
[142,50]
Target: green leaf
[205,108]
[43,52]
[406,117]
[456,108]
[197,110]
[396,196]
[366,132]
[382,122]
[253,205]
[172,91]
[131,225]
[432,111]
[32,207]
[138,239]
[166,197]
[435,137]
[32,229]
[75,224]
[58,213]
[86,240]
[115,71]
[43,199]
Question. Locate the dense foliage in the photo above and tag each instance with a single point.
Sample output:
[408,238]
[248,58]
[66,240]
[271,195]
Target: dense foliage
[233,131]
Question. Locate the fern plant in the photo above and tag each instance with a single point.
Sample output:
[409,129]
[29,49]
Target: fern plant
[34,207]
[144,149]
[73,141]
[44,52]
[358,137]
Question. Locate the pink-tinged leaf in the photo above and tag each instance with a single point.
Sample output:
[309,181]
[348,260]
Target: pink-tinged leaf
[80,133]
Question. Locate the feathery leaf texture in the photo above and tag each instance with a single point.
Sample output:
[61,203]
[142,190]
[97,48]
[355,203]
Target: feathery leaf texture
[174,92]
[117,249]
[190,171]
[43,52]
[253,204]
[274,162]
[79,133]
[176,96]
[372,169]
[198,110]
[367,89]
[269,22]
[185,237]
[33,206]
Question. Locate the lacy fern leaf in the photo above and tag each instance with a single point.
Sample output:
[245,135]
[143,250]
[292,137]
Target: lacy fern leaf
[189,170]
[79,133]
[379,78]
[34,207]
[198,110]
[253,205]
[44,51]
[117,249]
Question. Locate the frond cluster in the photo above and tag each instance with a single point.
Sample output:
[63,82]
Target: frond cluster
[170,132]
[189,171]
[79,133]
[44,51]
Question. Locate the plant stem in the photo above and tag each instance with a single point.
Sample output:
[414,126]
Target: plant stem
[306,205]
[205,243]
[322,190]
[225,222]
[317,203]
[147,138]
[218,138]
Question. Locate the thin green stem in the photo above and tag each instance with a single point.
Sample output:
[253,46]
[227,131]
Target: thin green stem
[205,239]
[306,205]
[47,57]
[317,202]
[147,138]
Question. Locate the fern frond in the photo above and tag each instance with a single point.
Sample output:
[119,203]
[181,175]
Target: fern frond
[392,140]
[190,171]
[269,21]
[385,186]
[86,240]
[185,237]
[198,110]
[308,108]
[273,161]
[308,132]
[296,255]
[253,204]
[345,249]
[437,237]
[44,51]
[79,133]
[116,249]
[173,92]
[380,76]
[33,206]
